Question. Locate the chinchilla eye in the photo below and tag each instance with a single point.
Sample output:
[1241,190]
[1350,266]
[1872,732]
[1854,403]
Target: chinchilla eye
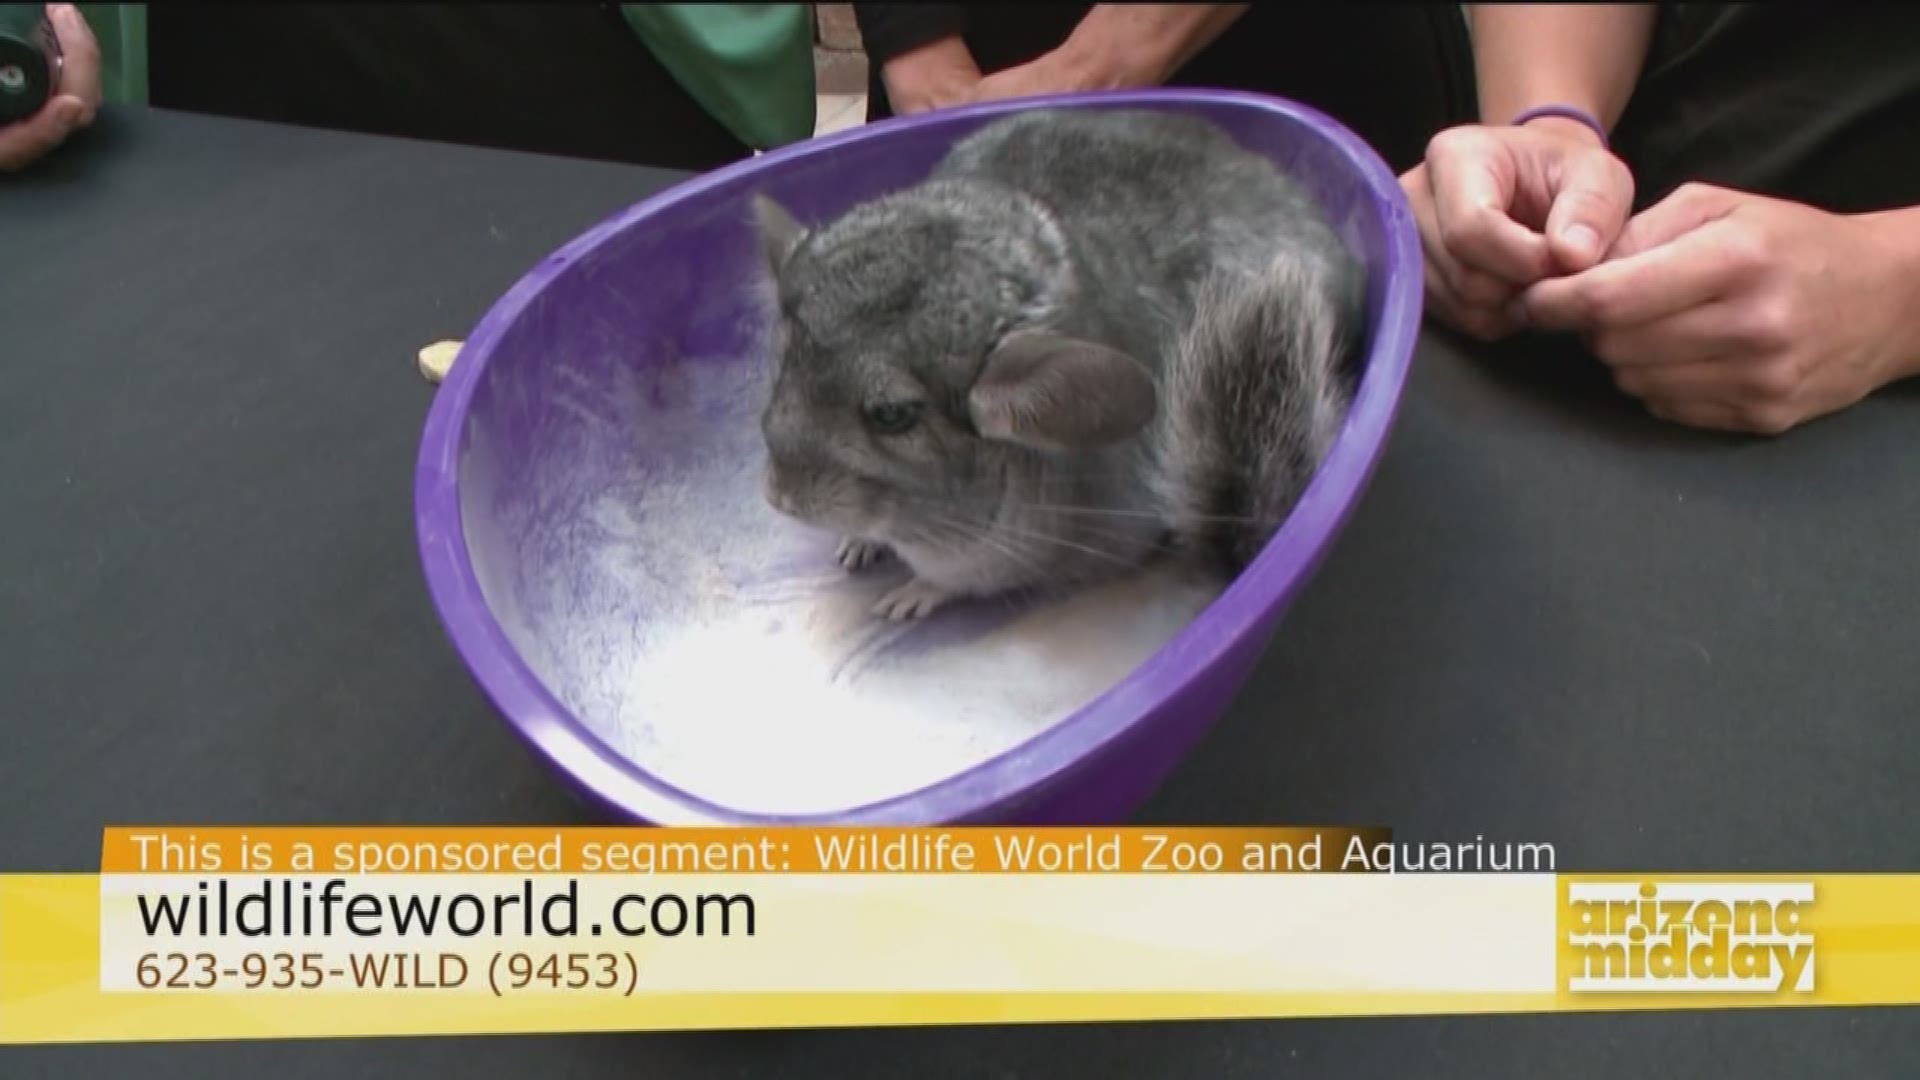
[893,417]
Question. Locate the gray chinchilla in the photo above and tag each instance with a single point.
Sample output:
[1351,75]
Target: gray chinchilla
[1090,337]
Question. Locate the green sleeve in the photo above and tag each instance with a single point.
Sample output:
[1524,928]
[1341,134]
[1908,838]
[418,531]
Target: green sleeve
[749,65]
[122,32]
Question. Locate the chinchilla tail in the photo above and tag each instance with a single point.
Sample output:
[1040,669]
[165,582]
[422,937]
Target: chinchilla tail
[1254,395]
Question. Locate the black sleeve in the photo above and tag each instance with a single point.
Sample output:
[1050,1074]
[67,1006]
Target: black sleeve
[887,30]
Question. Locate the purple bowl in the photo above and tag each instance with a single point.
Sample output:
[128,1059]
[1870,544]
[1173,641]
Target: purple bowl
[664,279]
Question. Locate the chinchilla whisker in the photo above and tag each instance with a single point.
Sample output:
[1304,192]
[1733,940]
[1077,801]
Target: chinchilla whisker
[1045,538]
[979,532]
[1119,529]
[967,532]
[1009,551]
[1096,511]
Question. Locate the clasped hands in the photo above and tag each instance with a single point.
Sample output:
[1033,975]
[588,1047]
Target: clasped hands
[1714,307]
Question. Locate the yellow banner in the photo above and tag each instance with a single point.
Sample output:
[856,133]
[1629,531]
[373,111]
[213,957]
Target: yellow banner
[274,933]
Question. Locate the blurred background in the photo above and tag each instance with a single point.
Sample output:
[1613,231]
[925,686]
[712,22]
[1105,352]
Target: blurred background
[840,68]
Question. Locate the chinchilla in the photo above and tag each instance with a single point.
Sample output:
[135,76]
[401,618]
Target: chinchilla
[1090,338]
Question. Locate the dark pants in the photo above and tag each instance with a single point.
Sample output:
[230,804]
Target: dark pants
[569,79]
[1393,73]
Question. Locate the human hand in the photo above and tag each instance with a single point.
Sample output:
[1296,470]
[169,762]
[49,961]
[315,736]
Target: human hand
[933,76]
[1500,208]
[1116,47]
[72,106]
[1050,73]
[1726,310]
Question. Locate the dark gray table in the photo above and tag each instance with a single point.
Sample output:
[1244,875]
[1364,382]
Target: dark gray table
[1551,620]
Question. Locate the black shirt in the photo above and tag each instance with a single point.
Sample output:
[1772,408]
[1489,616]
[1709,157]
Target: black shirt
[887,30]
[1393,73]
[571,79]
[1816,104]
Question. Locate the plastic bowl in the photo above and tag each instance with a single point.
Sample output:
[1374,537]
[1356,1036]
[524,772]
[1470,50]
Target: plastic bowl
[512,429]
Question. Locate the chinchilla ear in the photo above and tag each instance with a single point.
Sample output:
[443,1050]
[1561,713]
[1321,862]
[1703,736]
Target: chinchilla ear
[1050,392]
[780,234]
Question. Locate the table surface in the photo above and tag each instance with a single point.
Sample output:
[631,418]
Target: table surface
[1552,619]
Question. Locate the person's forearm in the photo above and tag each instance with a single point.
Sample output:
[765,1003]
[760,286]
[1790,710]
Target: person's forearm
[1144,44]
[1585,55]
[1900,231]
[939,73]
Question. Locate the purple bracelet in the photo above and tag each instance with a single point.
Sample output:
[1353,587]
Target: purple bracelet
[1566,112]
